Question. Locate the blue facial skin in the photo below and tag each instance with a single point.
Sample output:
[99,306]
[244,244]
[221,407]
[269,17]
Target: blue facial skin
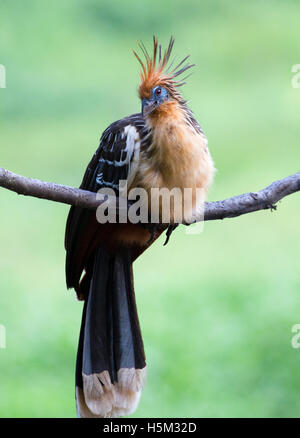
[159,95]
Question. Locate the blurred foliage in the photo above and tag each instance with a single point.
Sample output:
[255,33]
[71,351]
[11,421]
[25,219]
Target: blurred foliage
[217,308]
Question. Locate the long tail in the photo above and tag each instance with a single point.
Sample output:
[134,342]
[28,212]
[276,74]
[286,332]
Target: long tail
[110,368]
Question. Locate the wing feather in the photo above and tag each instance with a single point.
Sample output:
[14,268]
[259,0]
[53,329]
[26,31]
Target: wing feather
[110,163]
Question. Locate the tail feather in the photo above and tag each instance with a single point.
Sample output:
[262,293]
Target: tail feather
[111,368]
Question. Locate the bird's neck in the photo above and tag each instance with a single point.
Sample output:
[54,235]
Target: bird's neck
[177,156]
[172,136]
[168,112]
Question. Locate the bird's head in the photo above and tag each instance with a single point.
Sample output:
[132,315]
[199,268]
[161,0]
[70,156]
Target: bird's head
[158,89]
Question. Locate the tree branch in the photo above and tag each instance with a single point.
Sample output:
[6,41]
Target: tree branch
[230,207]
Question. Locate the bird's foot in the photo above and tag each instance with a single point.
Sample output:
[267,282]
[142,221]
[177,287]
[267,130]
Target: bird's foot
[170,230]
[152,228]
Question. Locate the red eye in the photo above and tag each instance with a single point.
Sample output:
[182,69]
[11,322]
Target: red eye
[158,91]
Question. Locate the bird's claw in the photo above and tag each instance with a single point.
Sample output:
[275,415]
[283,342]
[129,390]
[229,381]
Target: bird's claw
[152,228]
[170,230]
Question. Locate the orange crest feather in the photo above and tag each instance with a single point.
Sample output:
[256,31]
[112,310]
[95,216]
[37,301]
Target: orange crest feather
[155,70]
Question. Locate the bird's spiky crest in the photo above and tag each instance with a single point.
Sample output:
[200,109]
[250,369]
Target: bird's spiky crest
[156,70]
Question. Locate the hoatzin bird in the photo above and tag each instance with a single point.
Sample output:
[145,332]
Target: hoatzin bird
[163,146]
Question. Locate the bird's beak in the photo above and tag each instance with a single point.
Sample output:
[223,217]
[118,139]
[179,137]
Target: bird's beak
[148,105]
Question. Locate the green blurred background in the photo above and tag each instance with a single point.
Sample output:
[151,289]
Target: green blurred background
[217,308]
